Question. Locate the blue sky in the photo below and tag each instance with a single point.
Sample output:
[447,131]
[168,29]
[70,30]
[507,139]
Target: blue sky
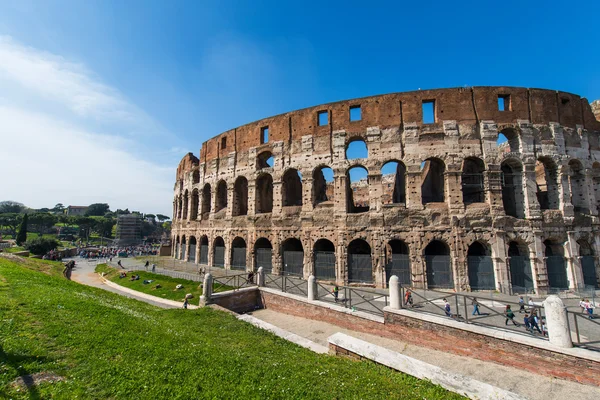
[127,88]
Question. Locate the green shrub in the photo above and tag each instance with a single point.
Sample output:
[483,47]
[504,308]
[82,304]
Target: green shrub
[41,245]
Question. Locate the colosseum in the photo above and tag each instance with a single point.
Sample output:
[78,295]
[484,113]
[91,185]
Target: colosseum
[483,188]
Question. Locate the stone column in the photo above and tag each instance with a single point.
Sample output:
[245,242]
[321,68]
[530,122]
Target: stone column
[574,270]
[395,298]
[564,193]
[252,197]
[206,290]
[342,265]
[277,197]
[453,186]
[589,191]
[227,252]
[229,208]
[312,288]
[375,191]
[340,195]
[532,206]
[413,187]
[538,264]
[559,333]
[501,263]
[260,280]
[307,187]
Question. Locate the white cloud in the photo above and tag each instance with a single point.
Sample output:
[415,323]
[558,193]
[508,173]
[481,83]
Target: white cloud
[51,147]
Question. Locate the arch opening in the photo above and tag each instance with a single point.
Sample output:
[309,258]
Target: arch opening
[221,196]
[238,254]
[438,266]
[263,251]
[480,267]
[265,160]
[204,250]
[293,258]
[196,177]
[240,196]
[177,248]
[398,262]
[521,277]
[264,194]
[323,185]
[357,148]
[219,252]
[192,257]
[432,176]
[508,141]
[472,181]
[183,248]
[206,200]
[357,190]
[186,198]
[556,266]
[194,207]
[324,259]
[360,266]
[393,180]
[588,265]
[577,186]
[546,176]
[291,189]
[513,198]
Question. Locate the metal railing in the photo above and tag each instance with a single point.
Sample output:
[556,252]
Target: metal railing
[585,330]
[287,284]
[369,301]
[232,282]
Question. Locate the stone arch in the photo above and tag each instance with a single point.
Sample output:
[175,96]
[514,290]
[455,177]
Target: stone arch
[206,201]
[472,180]
[179,206]
[588,264]
[263,255]
[356,148]
[577,187]
[221,202]
[204,250]
[512,142]
[393,181]
[357,189]
[360,265]
[324,260]
[596,184]
[555,265]
[432,178]
[185,204]
[513,197]
[218,252]
[177,247]
[265,160]
[194,207]
[182,255]
[323,185]
[196,177]
[240,196]
[192,256]
[438,265]
[238,254]
[291,188]
[546,176]
[264,194]
[397,262]
[521,277]
[480,267]
[292,260]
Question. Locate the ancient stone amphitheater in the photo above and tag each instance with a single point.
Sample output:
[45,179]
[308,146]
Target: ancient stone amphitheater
[483,188]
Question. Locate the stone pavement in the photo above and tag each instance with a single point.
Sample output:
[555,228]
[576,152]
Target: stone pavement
[526,384]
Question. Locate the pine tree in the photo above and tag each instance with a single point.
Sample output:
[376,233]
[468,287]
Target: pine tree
[22,233]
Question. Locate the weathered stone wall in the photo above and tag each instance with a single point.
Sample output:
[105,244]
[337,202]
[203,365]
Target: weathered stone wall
[458,187]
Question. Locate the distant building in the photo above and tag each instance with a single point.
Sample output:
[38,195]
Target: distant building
[129,230]
[76,210]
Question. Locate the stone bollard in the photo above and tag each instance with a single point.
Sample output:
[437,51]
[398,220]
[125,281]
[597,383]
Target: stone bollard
[395,300]
[260,279]
[206,290]
[556,319]
[312,288]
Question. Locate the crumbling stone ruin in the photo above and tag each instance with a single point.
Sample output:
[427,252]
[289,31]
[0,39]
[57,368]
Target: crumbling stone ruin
[483,188]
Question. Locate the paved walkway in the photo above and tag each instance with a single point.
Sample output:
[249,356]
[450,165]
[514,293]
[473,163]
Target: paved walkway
[531,386]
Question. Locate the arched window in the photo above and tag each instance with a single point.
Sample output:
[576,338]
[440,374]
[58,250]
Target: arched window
[360,266]
[324,259]
[206,200]
[546,176]
[192,257]
[432,178]
[322,185]
[238,254]
[293,258]
[578,189]
[292,188]
[513,198]
[264,194]
[555,265]
[438,266]
[265,160]
[397,262]
[520,268]
[219,252]
[177,248]
[183,248]
[221,196]
[240,196]
[204,250]
[508,141]
[357,190]
[263,251]
[588,265]
[357,148]
[393,180]
[480,267]
[472,181]
[185,204]
[196,177]
[194,207]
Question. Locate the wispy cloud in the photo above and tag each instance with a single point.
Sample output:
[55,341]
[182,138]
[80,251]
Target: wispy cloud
[68,137]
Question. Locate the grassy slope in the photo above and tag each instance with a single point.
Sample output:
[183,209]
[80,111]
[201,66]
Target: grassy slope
[167,291]
[107,346]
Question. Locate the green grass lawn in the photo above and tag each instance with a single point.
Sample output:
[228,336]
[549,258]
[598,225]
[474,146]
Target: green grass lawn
[167,290]
[107,346]
[14,249]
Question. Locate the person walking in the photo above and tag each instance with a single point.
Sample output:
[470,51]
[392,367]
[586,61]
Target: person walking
[153,268]
[408,298]
[447,309]
[510,316]
[527,324]
[589,307]
[533,322]
[531,305]
[336,292]
[521,305]
[147,265]
[582,306]
[475,304]
[185,303]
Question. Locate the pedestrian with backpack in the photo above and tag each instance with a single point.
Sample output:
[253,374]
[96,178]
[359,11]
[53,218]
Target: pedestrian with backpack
[510,316]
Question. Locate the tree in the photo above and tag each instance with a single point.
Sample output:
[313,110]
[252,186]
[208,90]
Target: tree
[151,216]
[161,217]
[103,226]
[22,234]
[97,209]
[10,222]
[59,208]
[41,245]
[11,207]
[125,211]
[85,226]
[41,222]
